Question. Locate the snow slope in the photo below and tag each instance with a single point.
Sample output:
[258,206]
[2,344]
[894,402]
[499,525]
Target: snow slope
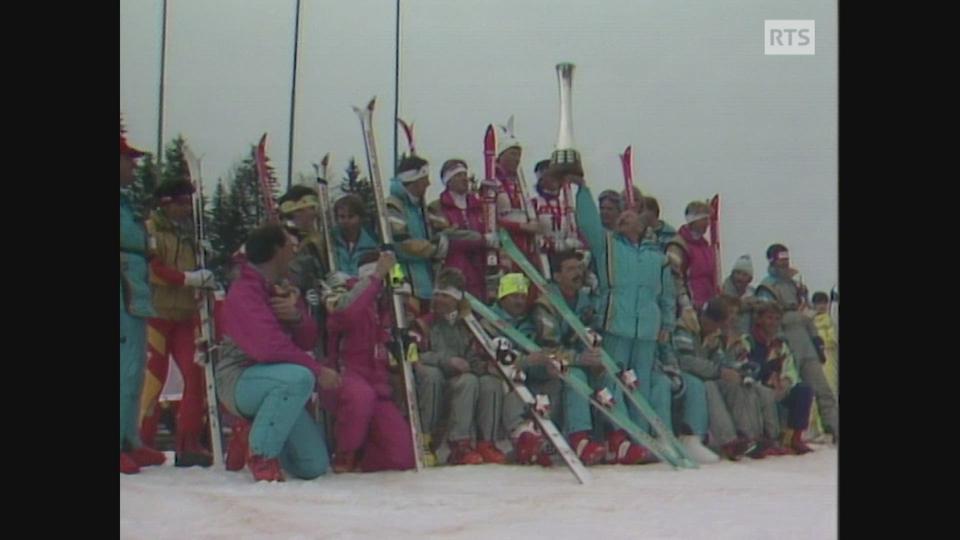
[780,497]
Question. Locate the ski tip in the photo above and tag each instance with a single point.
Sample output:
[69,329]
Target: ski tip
[372,104]
[326,159]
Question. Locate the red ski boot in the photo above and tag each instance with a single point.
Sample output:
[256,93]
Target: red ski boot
[528,448]
[127,464]
[624,451]
[589,451]
[265,469]
[239,446]
[344,462]
[795,442]
[147,456]
[490,453]
[461,453]
[190,452]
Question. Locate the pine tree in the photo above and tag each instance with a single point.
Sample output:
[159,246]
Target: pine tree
[144,183]
[174,164]
[362,187]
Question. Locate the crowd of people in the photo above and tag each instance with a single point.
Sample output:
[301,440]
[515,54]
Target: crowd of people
[306,370]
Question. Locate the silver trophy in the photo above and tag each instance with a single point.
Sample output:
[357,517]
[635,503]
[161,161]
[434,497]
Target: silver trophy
[565,157]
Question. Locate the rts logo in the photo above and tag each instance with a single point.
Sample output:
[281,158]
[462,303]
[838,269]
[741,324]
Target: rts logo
[789,37]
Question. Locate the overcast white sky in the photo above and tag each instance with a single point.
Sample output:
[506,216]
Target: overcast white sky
[683,81]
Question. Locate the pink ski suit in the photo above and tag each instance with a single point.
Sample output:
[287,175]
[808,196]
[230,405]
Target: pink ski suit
[367,420]
[701,268]
[466,254]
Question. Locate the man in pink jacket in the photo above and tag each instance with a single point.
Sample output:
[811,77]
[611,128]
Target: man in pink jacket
[370,431]
[264,372]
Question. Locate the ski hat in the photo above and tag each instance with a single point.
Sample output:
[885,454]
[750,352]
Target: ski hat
[744,264]
[308,201]
[512,284]
[507,140]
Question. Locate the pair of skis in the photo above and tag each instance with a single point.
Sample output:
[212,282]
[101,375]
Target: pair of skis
[399,316]
[502,359]
[205,347]
[668,445]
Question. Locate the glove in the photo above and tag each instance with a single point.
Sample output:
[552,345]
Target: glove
[443,245]
[493,241]
[201,279]
[312,297]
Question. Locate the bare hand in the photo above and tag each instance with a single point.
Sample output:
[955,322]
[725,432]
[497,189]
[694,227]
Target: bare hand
[712,341]
[591,358]
[730,375]
[664,337]
[459,364]
[285,308]
[328,379]
[385,263]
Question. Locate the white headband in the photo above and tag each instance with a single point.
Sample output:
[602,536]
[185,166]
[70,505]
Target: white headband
[407,177]
[783,255]
[449,291]
[695,217]
[451,173]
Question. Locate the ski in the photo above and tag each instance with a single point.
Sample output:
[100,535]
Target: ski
[501,360]
[267,182]
[399,317]
[325,212]
[626,160]
[671,446]
[205,346]
[488,195]
[715,236]
[599,400]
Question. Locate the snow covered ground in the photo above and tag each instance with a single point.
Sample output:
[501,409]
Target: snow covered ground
[779,497]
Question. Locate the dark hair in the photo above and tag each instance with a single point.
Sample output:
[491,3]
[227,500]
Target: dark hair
[541,165]
[264,241]
[353,203]
[296,193]
[651,204]
[716,310]
[449,164]
[819,297]
[613,196]
[560,257]
[173,188]
[732,302]
[410,163]
[696,205]
[773,250]
[765,307]
[451,277]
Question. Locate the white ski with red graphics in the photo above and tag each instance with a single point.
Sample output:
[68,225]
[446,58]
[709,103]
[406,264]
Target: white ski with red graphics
[204,345]
[488,195]
[399,333]
[503,358]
